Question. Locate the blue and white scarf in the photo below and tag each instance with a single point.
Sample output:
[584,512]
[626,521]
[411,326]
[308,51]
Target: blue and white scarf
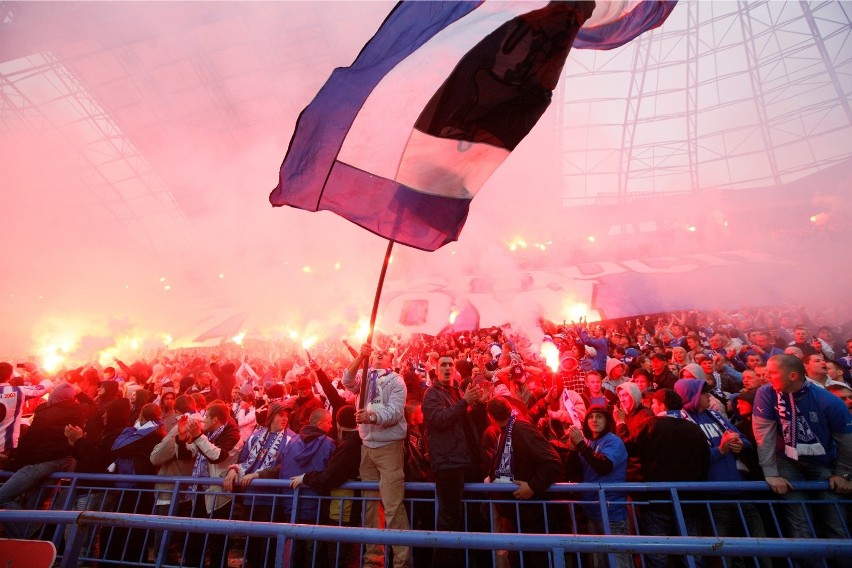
[506,462]
[799,439]
[201,467]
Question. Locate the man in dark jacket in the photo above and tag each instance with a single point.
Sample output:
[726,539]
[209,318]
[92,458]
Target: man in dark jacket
[96,458]
[525,458]
[42,451]
[453,450]
[343,465]
[667,449]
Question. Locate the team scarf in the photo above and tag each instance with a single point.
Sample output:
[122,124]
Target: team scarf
[201,467]
[506,463]
[262,455]
[799,439]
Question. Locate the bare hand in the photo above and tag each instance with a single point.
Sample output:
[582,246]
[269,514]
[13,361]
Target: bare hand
[362,416]
[778,485]
[575,435]
[228,482]
[366,350]
[619,415]
[247,478]
[73,433]
[297,481]
[524,491]
[194,428]
[840,485]
[472,394]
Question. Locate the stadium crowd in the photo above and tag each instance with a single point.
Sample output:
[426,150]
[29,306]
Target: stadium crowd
[690,396]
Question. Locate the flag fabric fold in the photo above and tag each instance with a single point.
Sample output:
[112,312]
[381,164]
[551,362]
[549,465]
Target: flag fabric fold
[402,140]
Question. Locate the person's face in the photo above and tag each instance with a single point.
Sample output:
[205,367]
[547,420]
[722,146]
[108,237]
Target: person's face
[744,408]
[599,331]
[594,383]
[168,401]
[641,382]
[750,380]
[325,424]
[835,372]
[657,406]
[235,395]
[781,379]
[704,401]
[617,372]
[280,422]
[679,356]
[416,417]
[381,359]
[845,395]
[763,341]
[760,373]
[446,369]
[304,392]
[752,361]
[626,401]
[677,331]
[800,335]
[596,422]
[210,423]
[536,388]
[577,351]
[825,335]
[707,366]
[657,366]
[816,367]
[647,365]
[691,342]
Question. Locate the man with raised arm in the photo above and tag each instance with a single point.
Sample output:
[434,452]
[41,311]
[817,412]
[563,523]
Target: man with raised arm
[381,424]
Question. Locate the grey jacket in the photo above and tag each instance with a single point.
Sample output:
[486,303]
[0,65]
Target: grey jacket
[388,405]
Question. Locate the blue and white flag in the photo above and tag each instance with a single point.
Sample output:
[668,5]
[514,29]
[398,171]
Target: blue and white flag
[402,140]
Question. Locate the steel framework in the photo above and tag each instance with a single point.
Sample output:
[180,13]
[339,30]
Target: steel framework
[723,95]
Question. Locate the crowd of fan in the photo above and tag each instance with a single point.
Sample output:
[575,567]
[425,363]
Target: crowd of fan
[655,398]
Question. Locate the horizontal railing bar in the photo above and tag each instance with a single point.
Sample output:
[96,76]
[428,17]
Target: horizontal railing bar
[712,486]
[702,546]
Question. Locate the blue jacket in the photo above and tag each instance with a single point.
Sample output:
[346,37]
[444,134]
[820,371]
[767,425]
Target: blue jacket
[309,451]
[723,467]
[610,446]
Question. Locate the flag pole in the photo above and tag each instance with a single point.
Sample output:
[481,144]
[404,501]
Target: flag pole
[362,403]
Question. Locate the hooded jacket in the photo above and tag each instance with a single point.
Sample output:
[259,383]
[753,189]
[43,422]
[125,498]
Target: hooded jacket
[723,467]
[604,460]
[309,451]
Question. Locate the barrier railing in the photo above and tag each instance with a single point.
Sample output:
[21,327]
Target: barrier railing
[126,525]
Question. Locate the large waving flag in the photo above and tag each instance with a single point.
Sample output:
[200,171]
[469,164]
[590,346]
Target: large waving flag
[401,141]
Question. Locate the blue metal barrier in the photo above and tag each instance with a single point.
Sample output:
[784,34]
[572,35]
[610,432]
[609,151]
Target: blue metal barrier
[161,535]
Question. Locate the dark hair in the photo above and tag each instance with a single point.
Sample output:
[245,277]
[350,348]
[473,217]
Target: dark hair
[499,408]
[218,409]
[184,403]
[807,358]
[5,372]
[151,411]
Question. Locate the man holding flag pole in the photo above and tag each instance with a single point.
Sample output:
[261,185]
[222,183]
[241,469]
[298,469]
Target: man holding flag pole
[381,424]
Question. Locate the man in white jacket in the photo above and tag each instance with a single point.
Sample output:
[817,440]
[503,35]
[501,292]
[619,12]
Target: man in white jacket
[382,427]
